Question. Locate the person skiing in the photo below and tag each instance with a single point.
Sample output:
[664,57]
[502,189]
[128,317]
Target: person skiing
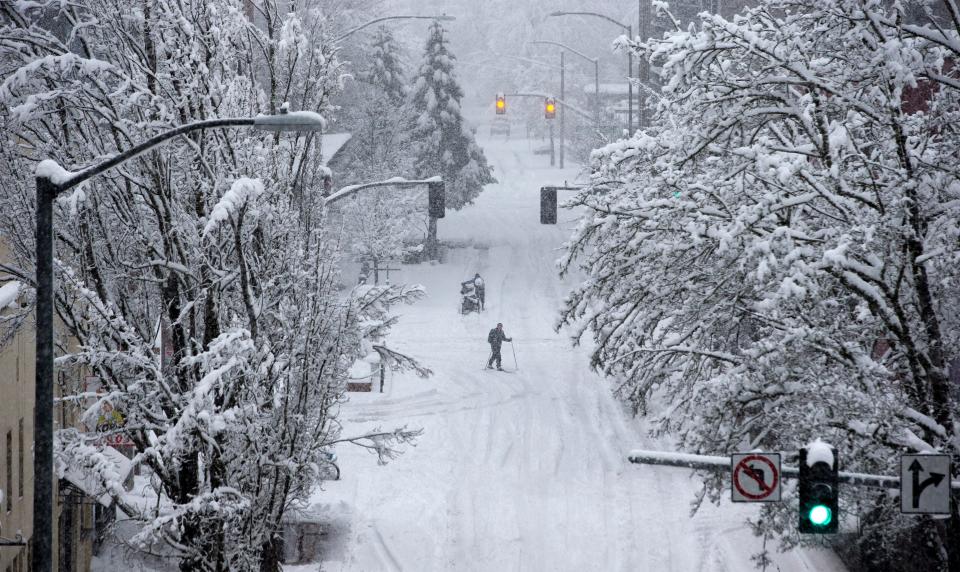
[495,338]
[479,289]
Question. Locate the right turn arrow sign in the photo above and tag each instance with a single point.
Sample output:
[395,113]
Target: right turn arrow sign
[924,486]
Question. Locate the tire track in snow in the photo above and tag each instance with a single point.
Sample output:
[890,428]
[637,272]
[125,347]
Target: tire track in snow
[384,553]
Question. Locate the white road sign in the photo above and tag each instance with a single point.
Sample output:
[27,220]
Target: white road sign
[925,484]
[755,477]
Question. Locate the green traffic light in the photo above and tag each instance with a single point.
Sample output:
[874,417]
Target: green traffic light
[820,515]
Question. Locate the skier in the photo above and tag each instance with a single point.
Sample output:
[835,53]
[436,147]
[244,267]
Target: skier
[495,338]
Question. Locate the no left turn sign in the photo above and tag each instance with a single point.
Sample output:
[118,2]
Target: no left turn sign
[755,477]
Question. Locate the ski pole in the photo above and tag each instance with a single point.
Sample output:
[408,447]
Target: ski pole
[514,348]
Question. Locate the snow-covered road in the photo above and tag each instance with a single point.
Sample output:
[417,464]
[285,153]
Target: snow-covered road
[515,471]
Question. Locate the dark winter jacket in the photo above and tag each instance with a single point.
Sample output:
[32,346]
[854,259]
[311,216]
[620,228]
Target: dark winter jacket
[496,337]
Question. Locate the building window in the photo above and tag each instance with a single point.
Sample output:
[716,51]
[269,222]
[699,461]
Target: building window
[20,458]
[9,471]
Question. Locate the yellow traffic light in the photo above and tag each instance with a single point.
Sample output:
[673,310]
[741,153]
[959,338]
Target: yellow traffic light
[550,108]
[501,105]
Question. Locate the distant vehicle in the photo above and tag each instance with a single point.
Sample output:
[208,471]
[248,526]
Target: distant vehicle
[500,126]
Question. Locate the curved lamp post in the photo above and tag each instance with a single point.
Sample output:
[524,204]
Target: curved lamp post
[629,30]
[52,180]
[443,17]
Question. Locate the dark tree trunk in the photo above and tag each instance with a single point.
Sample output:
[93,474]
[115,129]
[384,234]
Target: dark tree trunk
[272,554]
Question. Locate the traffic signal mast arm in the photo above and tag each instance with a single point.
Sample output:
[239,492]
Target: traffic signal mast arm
[397,182]
[559,101]
[722,464]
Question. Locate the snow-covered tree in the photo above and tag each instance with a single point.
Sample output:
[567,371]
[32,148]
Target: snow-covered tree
[383,225]
[378,224]
[386,67]
[204,236]
[443,142]
[779,260]
[377,115]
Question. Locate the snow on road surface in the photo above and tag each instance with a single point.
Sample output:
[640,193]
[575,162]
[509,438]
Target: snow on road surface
[516,471]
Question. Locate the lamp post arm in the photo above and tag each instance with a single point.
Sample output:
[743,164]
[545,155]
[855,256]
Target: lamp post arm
[528,60]
[607,18]
[384,19]
[568,48]
[89,172]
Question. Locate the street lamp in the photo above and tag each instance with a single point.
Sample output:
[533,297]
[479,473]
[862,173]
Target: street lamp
[442,17]
[629,31]
[51,181]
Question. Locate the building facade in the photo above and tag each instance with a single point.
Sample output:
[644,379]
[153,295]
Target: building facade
[16,445]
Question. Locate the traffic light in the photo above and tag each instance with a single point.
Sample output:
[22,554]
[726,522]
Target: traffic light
[549,108]
[548,205]
[501,104]
[819,490]
[437,199]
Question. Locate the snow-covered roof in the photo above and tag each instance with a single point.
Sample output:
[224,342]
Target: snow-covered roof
[330,143]
[607,88]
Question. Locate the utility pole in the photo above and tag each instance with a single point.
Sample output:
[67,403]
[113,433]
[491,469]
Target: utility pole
[596,93]
[563,113]
[643,66]
[629,85]
[596,77]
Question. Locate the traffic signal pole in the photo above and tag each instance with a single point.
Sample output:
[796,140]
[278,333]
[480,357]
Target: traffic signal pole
[722,464]
[552,152]
[558,101]
[436,202]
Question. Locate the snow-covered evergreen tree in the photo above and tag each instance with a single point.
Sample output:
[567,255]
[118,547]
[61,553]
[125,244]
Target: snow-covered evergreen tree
[378,116]
[386,67]
[778,260]
[380,224]
[443,142]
